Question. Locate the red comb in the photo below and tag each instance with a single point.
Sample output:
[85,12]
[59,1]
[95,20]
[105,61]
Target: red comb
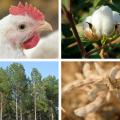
[26,9]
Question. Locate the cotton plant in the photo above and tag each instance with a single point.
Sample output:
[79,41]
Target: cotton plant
[102,24]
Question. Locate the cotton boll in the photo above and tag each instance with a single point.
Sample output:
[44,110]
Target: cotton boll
[88,29]
[87,25]
[97,22]
[102,20]
[116,17]
[88,19]
[107,20]
[101,23]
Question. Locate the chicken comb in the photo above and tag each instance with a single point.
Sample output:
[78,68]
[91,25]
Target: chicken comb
[26,9]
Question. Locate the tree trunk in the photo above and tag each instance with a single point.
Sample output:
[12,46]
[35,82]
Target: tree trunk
[40,116]
[55,113]
[29,117]
[21,114]
[35,107]
[16,108]
[1,107]
[52,115]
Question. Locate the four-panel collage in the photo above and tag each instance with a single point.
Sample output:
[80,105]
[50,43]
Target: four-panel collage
[59,60]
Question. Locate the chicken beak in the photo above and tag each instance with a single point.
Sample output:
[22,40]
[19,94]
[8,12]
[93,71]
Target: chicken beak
[44,26]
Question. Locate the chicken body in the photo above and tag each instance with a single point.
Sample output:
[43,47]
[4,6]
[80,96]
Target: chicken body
[46,48]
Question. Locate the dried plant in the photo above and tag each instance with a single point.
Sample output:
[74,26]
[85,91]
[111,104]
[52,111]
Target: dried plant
[102,87]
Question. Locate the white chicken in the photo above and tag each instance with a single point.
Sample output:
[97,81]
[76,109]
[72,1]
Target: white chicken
[46,48]
[21,29]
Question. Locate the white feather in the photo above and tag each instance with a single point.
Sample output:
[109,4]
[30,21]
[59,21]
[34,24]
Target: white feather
[46,48]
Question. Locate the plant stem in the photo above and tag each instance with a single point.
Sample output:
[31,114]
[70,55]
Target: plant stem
[102,47]
[71,20]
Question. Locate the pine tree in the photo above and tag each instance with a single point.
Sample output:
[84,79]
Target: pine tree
[4,87]
[51,86]
[18,82]
[40,98]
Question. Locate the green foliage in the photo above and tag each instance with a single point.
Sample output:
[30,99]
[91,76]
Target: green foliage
[17,75]
[80,9]
[4,85]
[35,75]
[38,90]
[15,84]
[51,87]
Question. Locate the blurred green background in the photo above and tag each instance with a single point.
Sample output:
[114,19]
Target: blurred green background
[48,7]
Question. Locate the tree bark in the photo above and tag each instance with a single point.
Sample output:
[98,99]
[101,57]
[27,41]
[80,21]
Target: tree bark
[21,114]
[1,107]
[52,116]
[35,109]
[16,108]
[35,106]
[40,116]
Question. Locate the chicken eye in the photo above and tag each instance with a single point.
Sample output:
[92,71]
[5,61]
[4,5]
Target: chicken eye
[22,26]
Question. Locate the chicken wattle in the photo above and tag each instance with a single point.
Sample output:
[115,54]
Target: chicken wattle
[31,42]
